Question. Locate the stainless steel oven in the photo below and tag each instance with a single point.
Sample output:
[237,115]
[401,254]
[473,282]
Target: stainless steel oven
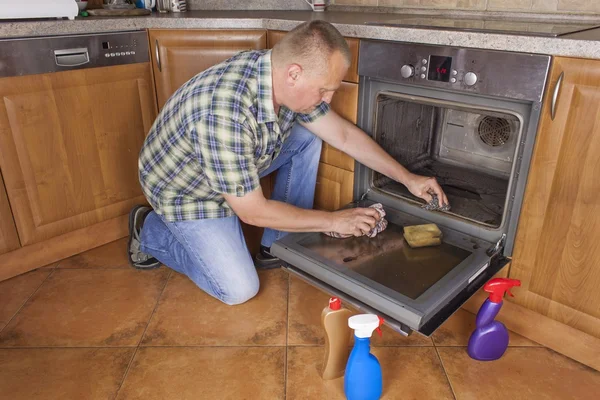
[468,117]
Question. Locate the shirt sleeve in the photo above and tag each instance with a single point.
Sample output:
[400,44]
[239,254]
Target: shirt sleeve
[318,112]
[225,151]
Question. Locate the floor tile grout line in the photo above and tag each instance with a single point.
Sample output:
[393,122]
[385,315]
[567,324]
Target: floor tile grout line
[143,334]
[445,372]
[27,301]
[156,306]
[145,347]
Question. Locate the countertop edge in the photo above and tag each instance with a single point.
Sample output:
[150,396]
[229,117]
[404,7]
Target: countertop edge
[519,43]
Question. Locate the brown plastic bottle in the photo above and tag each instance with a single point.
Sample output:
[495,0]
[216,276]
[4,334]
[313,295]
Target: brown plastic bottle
[334,319]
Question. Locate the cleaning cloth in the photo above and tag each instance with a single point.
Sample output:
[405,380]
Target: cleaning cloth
[434,204]
[380,227]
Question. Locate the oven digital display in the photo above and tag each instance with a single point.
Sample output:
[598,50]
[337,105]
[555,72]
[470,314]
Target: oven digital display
[439,68]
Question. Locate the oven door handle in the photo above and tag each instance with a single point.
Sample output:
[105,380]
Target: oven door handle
[555,95]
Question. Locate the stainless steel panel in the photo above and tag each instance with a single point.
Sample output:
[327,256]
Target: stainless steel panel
[517,76]
[41,55]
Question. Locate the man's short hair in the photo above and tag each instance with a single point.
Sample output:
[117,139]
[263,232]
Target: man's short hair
[311,45]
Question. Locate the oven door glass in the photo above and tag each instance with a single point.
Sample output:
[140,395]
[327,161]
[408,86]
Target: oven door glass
[415,289]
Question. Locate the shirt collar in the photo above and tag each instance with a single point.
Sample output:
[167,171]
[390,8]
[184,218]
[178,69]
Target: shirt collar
[266,111]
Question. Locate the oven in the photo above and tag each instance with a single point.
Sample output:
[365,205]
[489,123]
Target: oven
[468,117]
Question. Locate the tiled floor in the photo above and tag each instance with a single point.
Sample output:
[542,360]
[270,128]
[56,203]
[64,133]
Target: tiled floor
[90,327]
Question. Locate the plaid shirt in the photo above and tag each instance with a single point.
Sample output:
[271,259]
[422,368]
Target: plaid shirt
[215,135]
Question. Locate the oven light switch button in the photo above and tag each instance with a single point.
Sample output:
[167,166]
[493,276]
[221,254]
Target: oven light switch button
[470,78]
[407,71]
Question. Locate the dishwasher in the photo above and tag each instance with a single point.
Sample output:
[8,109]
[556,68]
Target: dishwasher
[74,113]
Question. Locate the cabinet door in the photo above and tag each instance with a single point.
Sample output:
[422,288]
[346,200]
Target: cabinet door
[178,55]
[9,240]
[69,143]
[345,103]
[558,240]
[334,188]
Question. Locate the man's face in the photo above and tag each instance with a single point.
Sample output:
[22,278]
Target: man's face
[307,91]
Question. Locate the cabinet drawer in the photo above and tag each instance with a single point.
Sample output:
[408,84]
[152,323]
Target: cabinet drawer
[351,75]
[334,187]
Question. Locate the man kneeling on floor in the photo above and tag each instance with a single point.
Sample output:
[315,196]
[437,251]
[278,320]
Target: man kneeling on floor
[224,129]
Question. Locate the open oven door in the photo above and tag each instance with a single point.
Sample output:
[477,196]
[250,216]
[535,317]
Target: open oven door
[412,289]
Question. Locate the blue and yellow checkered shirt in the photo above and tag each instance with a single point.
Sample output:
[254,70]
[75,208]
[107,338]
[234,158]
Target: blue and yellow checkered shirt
[215,135]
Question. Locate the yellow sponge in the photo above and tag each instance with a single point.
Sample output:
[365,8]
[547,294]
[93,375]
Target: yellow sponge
[423,235]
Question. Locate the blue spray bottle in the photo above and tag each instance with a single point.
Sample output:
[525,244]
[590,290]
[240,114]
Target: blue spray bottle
[362,380]
[489,341]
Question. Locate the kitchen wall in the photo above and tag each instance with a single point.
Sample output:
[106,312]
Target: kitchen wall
[536,6]
[248,5]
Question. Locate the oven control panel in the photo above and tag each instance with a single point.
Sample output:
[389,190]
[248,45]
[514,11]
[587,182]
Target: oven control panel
[486,72]
[439,69]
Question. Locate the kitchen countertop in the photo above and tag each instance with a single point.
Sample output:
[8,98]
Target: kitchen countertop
[351,24]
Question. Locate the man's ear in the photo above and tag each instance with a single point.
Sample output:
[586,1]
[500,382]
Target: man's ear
[294,73]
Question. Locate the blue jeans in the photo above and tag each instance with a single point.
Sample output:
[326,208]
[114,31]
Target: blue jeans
[213,252]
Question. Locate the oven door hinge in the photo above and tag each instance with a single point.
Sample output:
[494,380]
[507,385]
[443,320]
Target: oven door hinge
[365,194]
[498,247]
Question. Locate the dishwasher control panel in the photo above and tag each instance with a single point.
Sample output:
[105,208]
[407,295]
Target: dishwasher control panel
[120,48]
[62,53]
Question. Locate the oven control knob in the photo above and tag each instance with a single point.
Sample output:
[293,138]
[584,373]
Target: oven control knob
[407,71]
[470,78]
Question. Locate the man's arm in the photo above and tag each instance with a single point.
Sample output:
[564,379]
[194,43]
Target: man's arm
[348,138]
[254,209]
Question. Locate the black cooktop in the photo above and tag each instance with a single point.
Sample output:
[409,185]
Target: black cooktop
[528,28]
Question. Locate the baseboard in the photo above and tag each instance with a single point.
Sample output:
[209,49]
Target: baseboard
[60,247]
[555,335]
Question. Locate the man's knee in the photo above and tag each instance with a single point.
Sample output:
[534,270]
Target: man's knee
[240,294]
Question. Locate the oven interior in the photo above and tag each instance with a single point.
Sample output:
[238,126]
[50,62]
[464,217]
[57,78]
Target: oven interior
[471,152]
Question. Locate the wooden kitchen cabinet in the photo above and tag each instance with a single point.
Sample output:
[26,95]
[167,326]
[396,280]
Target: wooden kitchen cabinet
[334,187]
[68,147]
[179,54]
[557,247]
[9,240]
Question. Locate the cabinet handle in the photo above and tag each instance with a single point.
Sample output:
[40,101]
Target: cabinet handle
[157,51]
[555,95]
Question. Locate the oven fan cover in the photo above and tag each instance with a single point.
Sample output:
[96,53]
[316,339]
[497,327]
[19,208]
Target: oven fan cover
[494,131]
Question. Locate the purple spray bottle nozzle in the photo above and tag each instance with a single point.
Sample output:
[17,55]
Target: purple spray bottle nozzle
[496,287]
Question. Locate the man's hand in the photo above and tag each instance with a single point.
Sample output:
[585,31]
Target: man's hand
[355,221]
[420,186]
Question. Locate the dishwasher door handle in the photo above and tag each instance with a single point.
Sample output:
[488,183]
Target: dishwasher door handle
[71,57]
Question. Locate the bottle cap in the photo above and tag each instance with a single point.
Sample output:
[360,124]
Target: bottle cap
[364,324]
[497,286]
[335,303]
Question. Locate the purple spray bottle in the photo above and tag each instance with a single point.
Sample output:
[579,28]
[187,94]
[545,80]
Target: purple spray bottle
[489,341]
